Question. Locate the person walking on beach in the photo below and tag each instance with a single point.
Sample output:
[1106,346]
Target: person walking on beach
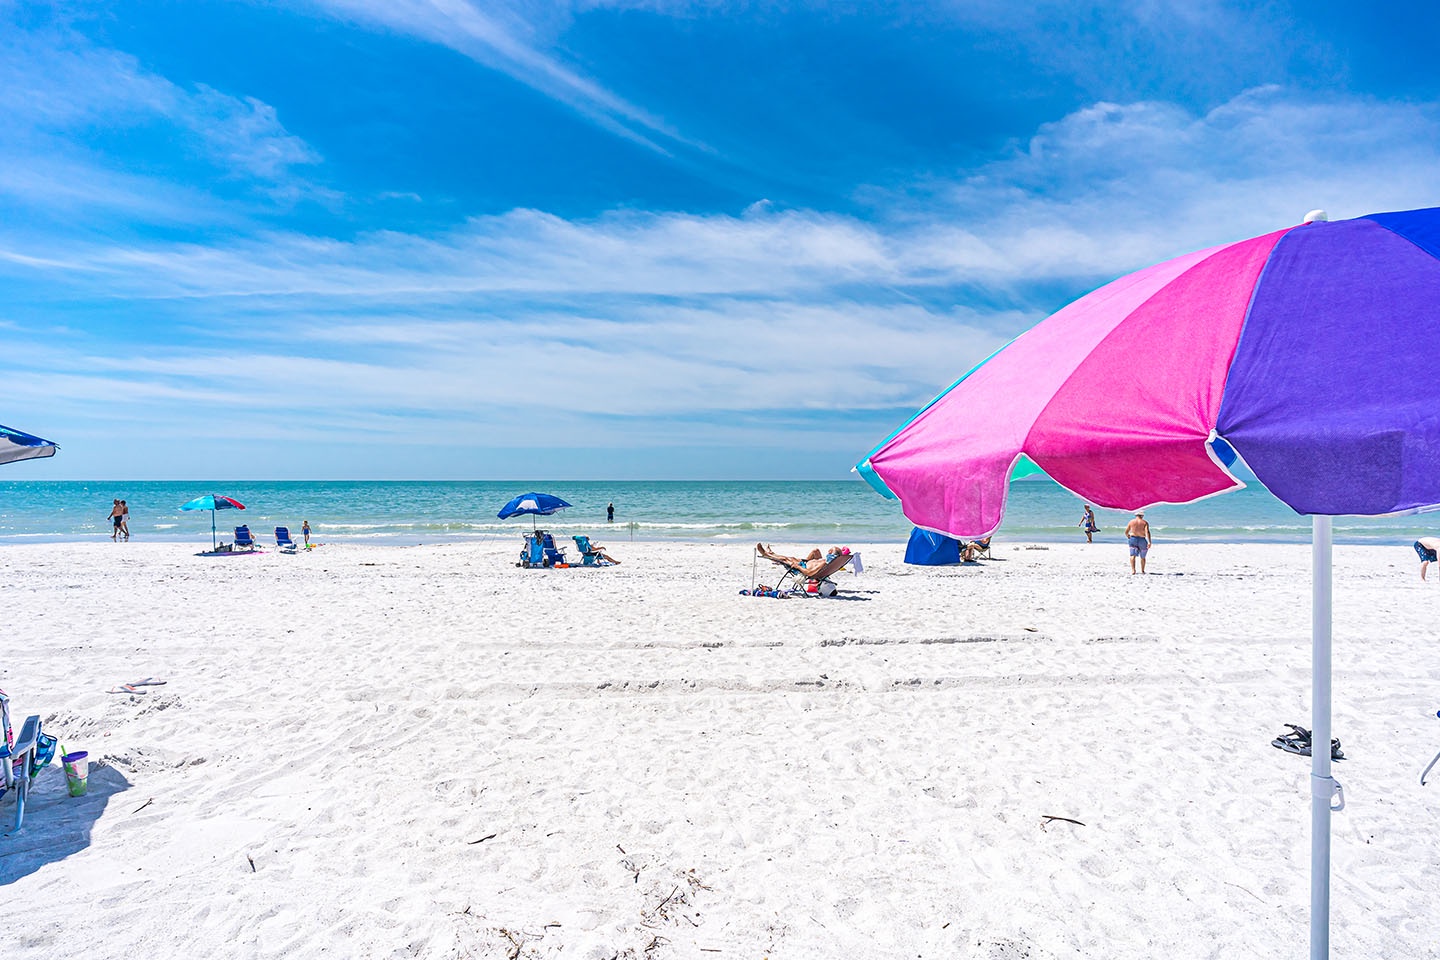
[1429,549]
[125,519]
[610,513]
[1088,523]
[305,532]
[116,519]
[1137,534]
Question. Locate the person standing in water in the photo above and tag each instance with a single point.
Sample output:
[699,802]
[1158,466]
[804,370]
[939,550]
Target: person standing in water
[610,513]
[1088,523]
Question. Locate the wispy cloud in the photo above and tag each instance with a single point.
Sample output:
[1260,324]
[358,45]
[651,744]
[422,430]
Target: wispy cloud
[1104,190]
[503,38]
[57,90]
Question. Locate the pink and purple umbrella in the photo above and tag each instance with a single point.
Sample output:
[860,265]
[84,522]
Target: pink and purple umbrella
[1310,352]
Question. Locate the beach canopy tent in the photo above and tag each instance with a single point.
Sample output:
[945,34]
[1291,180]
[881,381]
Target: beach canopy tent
[1304,351]
[17,445]
[929,549]
[534,504]
[212,503]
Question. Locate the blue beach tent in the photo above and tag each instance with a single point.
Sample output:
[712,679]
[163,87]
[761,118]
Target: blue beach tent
[928,549]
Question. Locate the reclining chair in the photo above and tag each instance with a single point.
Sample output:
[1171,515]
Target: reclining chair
[243,538]
[591,555]
[797,578]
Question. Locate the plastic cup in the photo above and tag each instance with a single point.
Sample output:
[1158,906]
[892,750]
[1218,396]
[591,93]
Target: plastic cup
[77,772]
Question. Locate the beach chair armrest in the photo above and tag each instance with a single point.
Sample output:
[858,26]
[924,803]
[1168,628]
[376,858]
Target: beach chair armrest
[29,734]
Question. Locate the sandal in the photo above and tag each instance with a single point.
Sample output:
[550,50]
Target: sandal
[1298,742]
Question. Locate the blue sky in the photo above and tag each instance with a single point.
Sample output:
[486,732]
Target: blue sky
[631,239]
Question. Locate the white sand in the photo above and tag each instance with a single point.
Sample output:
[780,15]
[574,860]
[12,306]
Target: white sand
[427,752]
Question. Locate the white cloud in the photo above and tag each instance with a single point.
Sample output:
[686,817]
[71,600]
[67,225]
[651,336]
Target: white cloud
[641,328]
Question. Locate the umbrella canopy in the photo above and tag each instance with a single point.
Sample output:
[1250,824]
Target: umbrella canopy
[15,445]
[1300,350]
[537,504]
[212,503]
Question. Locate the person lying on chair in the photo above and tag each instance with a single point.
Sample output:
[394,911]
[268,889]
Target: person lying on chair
[810,564]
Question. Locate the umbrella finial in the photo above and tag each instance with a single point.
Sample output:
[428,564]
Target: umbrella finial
[1316,216]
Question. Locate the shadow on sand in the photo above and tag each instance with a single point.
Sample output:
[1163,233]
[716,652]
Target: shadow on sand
[56,824]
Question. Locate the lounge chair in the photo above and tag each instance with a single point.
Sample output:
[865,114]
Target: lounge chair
[243,538]
[798,577]
[22,759]
[591,555]
[283,541]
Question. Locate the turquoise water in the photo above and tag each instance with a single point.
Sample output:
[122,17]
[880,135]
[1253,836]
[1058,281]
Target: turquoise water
[786,512]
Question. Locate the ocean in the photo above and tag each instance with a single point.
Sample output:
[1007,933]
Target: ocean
[795,513]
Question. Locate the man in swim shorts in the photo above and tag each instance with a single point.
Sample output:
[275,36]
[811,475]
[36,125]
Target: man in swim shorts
[1137,534]
[1429,549]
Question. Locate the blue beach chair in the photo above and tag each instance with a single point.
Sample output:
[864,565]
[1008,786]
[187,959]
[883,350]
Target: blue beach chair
[21,759]
[540,551]
[591,555]
[243,538]
[283,541]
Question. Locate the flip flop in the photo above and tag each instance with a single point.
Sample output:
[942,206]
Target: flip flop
[147,682]
[127,688]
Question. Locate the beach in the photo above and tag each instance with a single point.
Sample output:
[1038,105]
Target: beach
[423,751]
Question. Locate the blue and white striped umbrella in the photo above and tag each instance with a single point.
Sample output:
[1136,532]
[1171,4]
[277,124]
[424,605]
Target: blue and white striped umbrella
[15,445]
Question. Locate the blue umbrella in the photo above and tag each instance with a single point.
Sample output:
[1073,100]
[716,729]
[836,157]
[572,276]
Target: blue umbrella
[15,445]
[212,503]
[535,504]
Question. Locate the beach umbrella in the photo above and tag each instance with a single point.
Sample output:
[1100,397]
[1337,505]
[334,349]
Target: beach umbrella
[212,503]
[15,445]
[535,504]
[1307,351]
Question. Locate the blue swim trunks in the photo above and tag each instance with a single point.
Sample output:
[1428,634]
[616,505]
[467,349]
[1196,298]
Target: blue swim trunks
[1139,546]
[1424,554]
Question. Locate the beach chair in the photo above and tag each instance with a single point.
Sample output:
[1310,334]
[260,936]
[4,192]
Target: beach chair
[591,555]
[796,579]
[540,551]
[243,538]
[554,556]
[21,758]
[283,541]
[976,550]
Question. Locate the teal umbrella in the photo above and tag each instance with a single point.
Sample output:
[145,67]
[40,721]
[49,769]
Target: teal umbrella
[212,503]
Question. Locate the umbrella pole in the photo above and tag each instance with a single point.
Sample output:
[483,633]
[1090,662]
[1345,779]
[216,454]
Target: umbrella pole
[1322,784]
[212,531]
